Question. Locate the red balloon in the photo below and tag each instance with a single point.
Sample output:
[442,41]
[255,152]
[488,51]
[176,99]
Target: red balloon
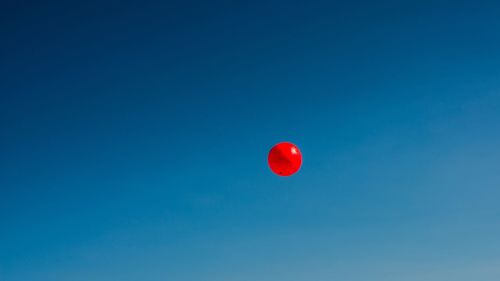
[284,159]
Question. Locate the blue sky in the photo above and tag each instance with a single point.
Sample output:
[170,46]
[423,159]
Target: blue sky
[134,139]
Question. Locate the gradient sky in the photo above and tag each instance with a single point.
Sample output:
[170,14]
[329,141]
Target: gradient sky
[134,140]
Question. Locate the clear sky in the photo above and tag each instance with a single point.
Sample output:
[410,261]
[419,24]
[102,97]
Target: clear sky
[134,140]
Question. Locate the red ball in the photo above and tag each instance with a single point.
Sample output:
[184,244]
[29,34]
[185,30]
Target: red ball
[284,159]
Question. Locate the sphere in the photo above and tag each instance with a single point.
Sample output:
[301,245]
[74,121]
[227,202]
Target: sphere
[284,159]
